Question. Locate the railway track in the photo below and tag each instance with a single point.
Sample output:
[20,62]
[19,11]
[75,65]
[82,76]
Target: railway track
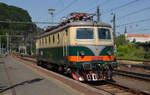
[148,61]
[116,89]
[133,74]
[145,66]
[112,87]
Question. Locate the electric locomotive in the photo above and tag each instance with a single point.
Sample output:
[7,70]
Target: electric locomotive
[79,46]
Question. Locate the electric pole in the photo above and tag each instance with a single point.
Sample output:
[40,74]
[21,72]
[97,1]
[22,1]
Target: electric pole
[98,14]
[7,42]
[114,31]
[51,12]
[31,47]
[0,46]
[8,49]
[114,26]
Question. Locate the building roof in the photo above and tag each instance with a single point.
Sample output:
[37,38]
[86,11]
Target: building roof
[138,35]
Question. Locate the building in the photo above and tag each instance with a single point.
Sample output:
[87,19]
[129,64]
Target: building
[22,49]
[137,37]
[143,39]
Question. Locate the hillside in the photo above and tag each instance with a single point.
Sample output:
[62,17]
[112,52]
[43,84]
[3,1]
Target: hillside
[13,13]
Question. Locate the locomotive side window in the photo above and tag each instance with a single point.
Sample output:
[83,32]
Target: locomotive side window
[53,38]
[84,33]
[49,39]
[42,40]
[58,38]
[45,40]
[104,34]
[66,32]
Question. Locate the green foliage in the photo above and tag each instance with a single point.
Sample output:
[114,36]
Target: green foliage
[120,40]
[12,13]
[129,50]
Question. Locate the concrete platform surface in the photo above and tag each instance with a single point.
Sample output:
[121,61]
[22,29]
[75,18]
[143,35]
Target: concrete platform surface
[28,79]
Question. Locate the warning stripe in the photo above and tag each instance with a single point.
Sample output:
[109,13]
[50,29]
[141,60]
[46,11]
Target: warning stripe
[90,58]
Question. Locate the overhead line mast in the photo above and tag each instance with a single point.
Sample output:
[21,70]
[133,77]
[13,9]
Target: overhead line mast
[121,6]
[98,14]
[98,5]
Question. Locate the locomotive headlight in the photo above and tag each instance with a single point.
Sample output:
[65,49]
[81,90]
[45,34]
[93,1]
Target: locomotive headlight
[109,53]
[82,53]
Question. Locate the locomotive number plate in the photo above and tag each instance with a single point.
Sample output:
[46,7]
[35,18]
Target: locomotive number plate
[97,58]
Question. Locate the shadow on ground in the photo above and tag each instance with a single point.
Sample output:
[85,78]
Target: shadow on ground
[22,83]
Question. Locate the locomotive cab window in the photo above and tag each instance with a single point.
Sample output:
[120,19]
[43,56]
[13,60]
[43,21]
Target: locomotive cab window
[104,34]
[84,34]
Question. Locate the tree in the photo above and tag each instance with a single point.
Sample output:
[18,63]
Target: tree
[121,40]
[13,13]
[128,50]
[134,40]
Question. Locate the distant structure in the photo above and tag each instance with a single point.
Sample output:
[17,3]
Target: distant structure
[22,49]
[136,37]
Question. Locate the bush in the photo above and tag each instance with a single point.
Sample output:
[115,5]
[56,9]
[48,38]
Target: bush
[130,51]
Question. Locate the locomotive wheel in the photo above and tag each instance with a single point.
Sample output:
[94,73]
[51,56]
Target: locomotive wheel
[39,63]
[43,64]
[109,75]
[60,69]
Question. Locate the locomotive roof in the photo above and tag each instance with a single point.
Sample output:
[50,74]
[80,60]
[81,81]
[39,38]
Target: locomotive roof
[76,23]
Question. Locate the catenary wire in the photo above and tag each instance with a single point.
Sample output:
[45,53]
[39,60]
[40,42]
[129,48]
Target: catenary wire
[135,12]
[138,21]
[121,6]
[65,8]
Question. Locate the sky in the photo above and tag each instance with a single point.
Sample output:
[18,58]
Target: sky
[127,11]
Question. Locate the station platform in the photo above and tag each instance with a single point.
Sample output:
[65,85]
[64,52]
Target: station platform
[25,78]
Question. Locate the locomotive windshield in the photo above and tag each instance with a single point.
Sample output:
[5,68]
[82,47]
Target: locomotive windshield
[84,33]
[104,34]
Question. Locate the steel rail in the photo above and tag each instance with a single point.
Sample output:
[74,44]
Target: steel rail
[139,92]
[133,74]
